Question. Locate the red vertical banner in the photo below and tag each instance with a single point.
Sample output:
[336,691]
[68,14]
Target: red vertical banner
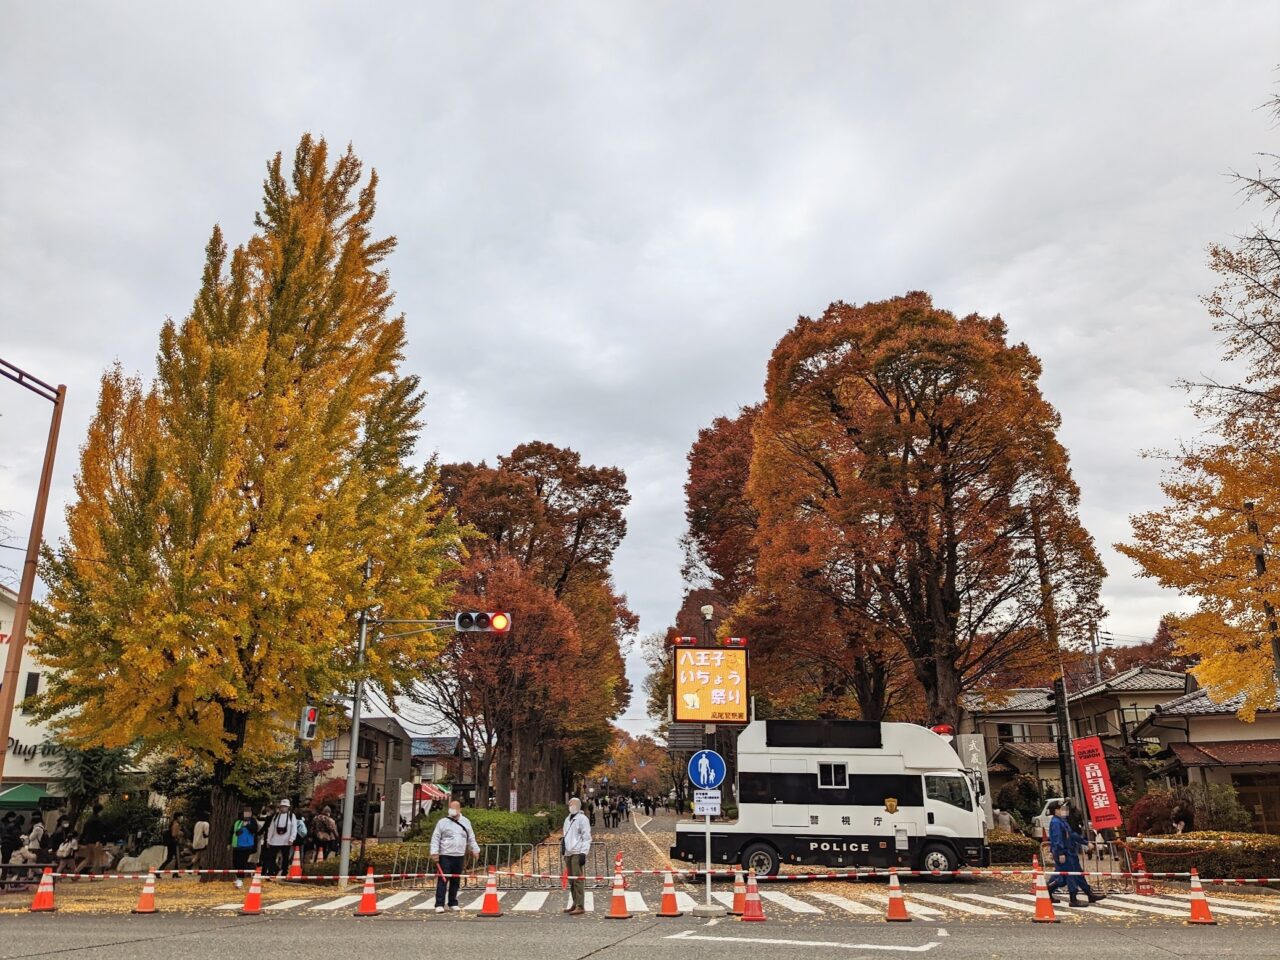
[1095,780]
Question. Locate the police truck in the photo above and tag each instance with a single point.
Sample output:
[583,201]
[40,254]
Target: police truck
[845,793]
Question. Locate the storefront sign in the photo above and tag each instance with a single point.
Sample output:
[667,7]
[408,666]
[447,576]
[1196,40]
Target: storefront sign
[29,751]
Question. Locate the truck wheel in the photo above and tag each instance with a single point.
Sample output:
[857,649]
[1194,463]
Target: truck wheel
[761,858]
[940,857]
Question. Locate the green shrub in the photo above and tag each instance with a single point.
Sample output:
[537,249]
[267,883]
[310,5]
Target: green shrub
[134,821]
[1213,853]
[1010,847]
[496,826]
[1021,796]
[1213,807]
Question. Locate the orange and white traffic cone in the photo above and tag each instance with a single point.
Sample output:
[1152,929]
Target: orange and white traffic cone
[253,899]
[368,897]
[1142,885]
[752,908]
[490,907]
[897,912]
[564,879]
[618,904]
[1044,904]
[1035,869]
[739,894]
[1199,905]
[42,902]
[147,900]
[669,907]
[295,867]
[617,867]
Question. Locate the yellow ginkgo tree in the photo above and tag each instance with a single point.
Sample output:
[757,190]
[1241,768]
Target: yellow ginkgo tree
[215,550]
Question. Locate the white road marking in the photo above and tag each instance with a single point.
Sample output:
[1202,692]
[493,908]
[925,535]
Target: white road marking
[533,900]
[1137,904]
[724,897]
[892,948]
[339,903]
[951,904]
[1253,903]
[788,902]
[588,901]
[942,932]
[1059,908]
[997,902]
[478,902]
[684,902]
[635,902]
[1229,911]
[287,904]
[228,906]
[927,913]
[386,903]
[844,903]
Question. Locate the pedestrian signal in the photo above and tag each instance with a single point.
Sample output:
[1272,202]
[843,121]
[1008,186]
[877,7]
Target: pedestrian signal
[308,721]
[474,622]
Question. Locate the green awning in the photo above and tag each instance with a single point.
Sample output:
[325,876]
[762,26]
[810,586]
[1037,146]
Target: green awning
[24,796]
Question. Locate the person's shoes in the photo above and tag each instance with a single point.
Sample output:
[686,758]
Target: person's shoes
[439,909]
[567,910]
[239,884]
[577,912]
[456,909]
[1073,902]
[1095,897]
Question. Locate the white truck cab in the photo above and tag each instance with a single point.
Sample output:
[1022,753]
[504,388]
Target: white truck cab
[845,793]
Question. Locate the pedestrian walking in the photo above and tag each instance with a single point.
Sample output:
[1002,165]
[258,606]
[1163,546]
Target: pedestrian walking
[279,834]
[91,838]
[31,842]
[173,839]
[67,851]
[451,841]
[1065,845]
[200,841]
[326,833]
[10,836]
[244,840]
[576,844]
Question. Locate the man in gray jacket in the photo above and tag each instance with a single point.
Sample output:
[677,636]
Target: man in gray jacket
[577,844]
[451,841]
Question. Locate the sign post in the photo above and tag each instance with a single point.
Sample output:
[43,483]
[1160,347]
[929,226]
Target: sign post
[706,773]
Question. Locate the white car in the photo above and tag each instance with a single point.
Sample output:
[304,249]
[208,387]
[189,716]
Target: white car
[1040,824]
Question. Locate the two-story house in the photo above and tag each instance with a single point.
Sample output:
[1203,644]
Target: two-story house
[1112,709]
[383,769]
[446,761]
[1018,733]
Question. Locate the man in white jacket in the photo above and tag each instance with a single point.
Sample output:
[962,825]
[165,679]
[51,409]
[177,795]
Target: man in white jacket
[577,844]
[451,841]
[278,836]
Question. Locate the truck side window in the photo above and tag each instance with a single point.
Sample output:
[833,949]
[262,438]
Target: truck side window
[833,775]
[952,790]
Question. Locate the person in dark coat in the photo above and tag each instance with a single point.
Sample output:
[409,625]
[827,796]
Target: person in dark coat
[1066,845]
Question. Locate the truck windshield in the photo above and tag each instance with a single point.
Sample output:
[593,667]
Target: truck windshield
[952,790]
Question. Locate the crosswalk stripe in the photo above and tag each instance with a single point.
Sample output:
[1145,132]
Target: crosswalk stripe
[684,902]
[228,906]
[478,902]
[1138,904]
[533,900]
[998,902]
[589,902]
[788,902]
[1253,903]
[386,903]
[1170,902]
[724,897]
[1093,909]
[339,903]
[844,903]
[928,913]
[635,902]
[286,904]
[951,904]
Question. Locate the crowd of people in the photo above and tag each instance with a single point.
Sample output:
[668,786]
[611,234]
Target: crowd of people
[24,840]
[614,810]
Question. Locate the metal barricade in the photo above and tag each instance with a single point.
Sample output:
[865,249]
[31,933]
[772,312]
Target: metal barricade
[547,859]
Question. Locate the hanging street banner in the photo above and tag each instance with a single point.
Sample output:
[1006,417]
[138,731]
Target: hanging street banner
[1095,781]
[710,685]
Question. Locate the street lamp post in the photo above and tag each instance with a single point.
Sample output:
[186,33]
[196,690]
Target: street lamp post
[17,640]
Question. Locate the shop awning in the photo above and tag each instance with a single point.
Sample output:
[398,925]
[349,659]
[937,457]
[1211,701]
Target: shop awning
[429,791]
[23,796]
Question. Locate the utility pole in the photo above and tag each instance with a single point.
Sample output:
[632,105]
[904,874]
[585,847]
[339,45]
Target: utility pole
[18,638]
[1097,662]
[1260,566]
[357,697]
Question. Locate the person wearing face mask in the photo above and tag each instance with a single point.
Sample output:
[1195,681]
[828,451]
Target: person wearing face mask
[244,840]
[577,844]
[451,841]
[278,837]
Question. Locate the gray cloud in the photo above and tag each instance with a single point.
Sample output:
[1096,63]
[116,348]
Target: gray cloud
[609,213]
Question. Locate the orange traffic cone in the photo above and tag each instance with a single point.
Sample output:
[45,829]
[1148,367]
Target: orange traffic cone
[669,907]
[618,904]
[1199,905]
[490,907]
[295,868]
[147,900]
[42,902]
[739,894]
[1142,885]
[752,909]
[564,879]
[1044,904]
[897,906]
[253,899]
[1035,869]
[368,897]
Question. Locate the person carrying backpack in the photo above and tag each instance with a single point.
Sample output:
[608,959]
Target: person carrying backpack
[244,840]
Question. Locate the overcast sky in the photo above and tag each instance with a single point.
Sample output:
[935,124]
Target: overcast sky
[609,213]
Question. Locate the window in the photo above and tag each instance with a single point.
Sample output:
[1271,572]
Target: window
[833,775]
[952,790]
[397,750]
[1012,732]
[33,686]
[329,750]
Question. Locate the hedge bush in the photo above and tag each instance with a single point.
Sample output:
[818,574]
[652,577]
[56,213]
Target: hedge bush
[1213,854]
[497,826]
[1007,848]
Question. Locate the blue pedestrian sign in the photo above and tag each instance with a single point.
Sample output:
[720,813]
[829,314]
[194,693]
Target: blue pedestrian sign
[706,769]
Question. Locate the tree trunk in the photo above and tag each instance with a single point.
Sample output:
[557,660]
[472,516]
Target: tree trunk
[225,808]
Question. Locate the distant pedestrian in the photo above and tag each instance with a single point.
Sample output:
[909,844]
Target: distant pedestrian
[67,851]
[326,833]
[173,840]
[279,834]
[91,838]
[576,843]
[200,841]
[244,840]
[32,842]
[10,836]
[451,841]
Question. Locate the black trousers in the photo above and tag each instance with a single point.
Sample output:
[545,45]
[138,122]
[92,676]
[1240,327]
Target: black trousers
[240,857]
[274,860]
[448,865]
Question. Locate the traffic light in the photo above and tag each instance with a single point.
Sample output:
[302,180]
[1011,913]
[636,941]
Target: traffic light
[307,722]
[476,622]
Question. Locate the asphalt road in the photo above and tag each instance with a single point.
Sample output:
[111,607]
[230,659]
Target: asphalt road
[469,938]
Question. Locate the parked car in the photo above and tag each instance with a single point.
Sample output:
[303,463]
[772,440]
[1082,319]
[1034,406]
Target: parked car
[1040,823]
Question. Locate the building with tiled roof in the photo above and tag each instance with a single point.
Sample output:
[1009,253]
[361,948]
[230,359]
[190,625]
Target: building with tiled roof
[1115,707]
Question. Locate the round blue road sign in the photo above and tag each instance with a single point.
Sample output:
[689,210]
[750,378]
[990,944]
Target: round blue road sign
[706,770]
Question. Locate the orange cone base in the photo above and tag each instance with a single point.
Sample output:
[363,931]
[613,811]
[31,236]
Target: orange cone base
[739,895]
[42,902]
[752,909]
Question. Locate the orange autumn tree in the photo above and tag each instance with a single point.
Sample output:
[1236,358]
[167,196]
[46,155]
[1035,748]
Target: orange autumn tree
[906,468]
